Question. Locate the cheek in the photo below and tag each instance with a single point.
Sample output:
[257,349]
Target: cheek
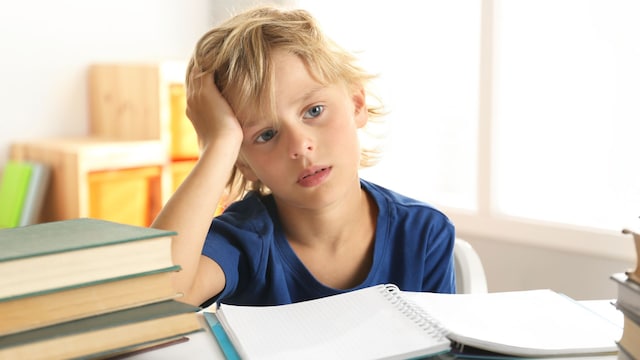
[343,128]
[262,165]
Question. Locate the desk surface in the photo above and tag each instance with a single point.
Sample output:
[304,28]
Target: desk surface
[203,346]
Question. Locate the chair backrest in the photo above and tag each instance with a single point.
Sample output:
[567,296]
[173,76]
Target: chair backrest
[470,276]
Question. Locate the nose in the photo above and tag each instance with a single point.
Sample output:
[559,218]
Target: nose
[299,142]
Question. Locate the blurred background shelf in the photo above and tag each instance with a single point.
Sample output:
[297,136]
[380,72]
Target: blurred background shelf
[140,147]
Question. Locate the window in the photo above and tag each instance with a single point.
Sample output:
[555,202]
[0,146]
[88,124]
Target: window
[567,111]
[520,119]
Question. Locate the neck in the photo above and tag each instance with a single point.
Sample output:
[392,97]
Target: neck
[331,226]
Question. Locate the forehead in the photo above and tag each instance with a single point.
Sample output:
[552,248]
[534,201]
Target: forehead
[284,62]
[290,82]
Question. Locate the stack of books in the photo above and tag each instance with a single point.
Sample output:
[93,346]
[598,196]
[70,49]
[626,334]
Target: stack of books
[628,302]
[88,288]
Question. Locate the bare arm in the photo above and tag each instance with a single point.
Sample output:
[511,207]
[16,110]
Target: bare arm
[190,210]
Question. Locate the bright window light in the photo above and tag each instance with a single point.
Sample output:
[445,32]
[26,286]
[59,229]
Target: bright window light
[559,104]
[567,111]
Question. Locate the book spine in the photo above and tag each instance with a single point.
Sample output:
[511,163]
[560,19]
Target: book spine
[35,194]
[13,189]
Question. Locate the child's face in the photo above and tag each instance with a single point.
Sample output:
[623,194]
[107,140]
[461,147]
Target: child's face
[312,154]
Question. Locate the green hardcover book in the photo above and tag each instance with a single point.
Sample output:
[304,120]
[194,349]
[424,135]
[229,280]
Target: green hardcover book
[34,310]
[64,253]
[13,189]
[103,334]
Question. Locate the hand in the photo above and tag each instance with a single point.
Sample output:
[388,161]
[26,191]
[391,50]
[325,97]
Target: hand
[209,112]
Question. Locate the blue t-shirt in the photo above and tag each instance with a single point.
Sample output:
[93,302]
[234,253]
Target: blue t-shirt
[413,249]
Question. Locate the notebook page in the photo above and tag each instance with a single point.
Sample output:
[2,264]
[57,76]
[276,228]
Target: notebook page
[361,324]
[535,322]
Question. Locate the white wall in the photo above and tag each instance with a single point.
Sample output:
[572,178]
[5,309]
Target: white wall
[512,266]
[46,46]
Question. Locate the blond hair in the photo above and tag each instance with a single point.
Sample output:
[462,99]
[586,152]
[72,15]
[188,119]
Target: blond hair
[238,54]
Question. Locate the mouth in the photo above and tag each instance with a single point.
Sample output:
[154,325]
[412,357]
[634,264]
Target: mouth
[309,174]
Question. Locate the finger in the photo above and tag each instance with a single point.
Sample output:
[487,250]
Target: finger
[195,81]
[208,84]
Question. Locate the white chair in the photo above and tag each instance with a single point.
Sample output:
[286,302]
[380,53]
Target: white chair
[470,276]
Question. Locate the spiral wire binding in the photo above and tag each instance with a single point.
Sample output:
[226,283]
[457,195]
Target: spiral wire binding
[416,314]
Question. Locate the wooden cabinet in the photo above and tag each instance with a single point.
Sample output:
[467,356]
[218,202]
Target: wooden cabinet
[141,146]
[93,177]
[145,102]
[142,102]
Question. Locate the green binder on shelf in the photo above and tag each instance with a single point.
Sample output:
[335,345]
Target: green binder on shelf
[22,191]
[13,190]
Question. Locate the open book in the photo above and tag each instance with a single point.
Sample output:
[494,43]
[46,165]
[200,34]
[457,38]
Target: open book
[382,322]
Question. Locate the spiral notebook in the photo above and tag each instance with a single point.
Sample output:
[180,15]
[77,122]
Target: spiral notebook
[371,323]
[531,323]
[382,322]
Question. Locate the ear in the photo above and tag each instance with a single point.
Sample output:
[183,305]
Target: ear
[246,170]
[361,114]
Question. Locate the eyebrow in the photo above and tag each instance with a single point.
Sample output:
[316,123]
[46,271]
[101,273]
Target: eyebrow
[304,97]
[249,124]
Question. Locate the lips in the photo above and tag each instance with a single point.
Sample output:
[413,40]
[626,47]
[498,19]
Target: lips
[314,176]
[311,173]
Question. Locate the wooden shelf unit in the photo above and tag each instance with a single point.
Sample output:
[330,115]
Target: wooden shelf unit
[145,102]
[78,184]
[141,146]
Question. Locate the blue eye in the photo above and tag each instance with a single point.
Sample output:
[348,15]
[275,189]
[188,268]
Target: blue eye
[266,136]
[314,111]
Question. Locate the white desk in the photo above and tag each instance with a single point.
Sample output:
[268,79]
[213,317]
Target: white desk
[203,346]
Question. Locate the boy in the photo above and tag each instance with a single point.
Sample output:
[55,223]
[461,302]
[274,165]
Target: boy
[277,108]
